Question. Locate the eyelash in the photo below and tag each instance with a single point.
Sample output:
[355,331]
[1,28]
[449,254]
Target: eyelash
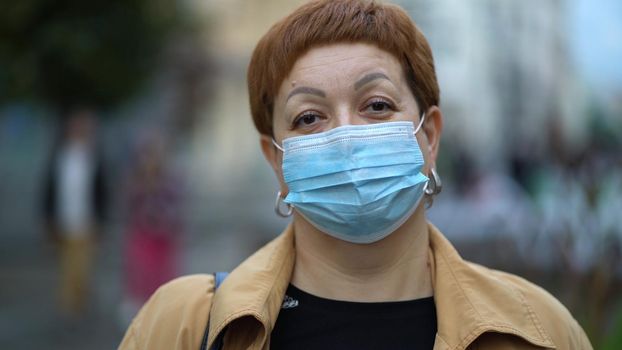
[298,120]
[386,102]
[380,100]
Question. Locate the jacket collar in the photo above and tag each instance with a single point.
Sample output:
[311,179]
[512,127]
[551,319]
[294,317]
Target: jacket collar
[470,300]
[250,297]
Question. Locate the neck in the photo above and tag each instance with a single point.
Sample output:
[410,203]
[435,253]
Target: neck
[392,269]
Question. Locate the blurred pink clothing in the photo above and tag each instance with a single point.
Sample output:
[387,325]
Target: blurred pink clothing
[153,235]
[151,262]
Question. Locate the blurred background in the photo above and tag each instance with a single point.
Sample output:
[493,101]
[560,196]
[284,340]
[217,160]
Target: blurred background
[128,155]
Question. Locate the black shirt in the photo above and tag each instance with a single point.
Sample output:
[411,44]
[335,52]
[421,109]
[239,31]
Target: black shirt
[310,322]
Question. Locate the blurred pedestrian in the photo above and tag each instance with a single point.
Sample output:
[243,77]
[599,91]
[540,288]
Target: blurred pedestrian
[154,223]
[74,204]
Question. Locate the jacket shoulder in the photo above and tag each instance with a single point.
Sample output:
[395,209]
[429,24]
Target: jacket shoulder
[553,317]
[174,317]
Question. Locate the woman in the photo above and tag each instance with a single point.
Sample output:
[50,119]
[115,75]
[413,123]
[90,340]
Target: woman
[345,97]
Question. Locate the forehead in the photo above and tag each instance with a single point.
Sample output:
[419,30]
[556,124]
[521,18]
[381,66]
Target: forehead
[326,64]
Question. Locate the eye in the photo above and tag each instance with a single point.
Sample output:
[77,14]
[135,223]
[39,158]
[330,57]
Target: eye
[306,119]
[378,106]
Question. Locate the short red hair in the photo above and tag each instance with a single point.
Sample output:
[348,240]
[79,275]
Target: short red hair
[326,22]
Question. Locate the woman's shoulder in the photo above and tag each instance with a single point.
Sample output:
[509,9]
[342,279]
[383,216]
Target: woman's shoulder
[174,317]
[553,316]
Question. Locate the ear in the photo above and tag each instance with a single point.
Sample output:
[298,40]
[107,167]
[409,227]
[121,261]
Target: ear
[275,159]
[433,127]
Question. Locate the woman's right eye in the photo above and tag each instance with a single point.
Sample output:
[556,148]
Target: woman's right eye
[306,120]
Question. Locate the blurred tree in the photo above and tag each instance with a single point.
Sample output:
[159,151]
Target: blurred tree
[65,53]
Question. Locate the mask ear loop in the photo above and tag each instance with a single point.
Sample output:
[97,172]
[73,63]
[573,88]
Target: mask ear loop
[277,145]
[418,126]
[279,199]
[434,184]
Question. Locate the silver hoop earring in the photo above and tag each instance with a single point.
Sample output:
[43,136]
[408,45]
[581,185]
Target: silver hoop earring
[277,207]
[432,188]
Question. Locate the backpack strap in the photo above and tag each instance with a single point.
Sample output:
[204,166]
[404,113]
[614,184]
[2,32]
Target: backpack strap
[219,277]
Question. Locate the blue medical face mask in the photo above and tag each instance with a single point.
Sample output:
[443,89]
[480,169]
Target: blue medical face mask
[357,183]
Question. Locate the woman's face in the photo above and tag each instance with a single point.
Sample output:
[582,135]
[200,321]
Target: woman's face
[345,84]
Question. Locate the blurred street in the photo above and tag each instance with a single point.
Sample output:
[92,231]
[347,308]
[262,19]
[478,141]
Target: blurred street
[30,317]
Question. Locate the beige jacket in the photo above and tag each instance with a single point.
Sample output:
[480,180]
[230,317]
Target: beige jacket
[477,308]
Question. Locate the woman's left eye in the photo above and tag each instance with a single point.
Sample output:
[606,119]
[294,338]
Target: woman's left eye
[378,106]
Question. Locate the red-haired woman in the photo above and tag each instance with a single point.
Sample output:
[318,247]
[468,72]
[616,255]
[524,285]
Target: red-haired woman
[345,97]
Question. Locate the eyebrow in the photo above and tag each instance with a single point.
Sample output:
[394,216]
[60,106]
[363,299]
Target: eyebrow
[369,77]
[306,90]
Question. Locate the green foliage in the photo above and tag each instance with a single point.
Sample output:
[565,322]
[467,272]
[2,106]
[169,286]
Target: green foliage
[613,341]
[63,53]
